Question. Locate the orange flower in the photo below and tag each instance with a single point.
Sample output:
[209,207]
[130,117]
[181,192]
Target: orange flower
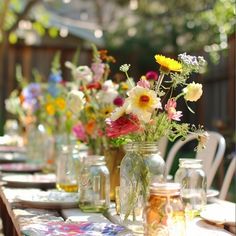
[90,127]
[50,109]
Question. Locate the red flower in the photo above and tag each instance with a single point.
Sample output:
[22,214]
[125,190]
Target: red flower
[118,101]
[151,75]
[124,125]
[94,85]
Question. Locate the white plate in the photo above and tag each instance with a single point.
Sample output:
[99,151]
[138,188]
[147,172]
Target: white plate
[212,193]
[29,180]
[219,214]
[50,200]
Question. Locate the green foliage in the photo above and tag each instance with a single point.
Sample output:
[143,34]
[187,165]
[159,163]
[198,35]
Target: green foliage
[188,26]
[56,63]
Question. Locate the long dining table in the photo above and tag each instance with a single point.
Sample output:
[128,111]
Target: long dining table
[21,218]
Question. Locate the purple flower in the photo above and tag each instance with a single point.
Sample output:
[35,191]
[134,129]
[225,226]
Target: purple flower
[32,91]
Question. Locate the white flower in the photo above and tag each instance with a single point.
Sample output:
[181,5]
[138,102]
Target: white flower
[109,85]
[75,101]
[142,102]
[83,73]
[124,67]
[119,111]
[107,96]
[108,92]
[192,92]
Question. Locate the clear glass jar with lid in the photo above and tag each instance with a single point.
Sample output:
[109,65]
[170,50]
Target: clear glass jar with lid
[94,184]
[194,184]
[164,212]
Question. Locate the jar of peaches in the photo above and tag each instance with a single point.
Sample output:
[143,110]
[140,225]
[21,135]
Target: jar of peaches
[164,213]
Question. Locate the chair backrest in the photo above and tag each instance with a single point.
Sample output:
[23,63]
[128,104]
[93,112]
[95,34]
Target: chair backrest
[162,145]
[211,156]
[228,178]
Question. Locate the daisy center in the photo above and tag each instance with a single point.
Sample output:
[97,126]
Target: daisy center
[144,99]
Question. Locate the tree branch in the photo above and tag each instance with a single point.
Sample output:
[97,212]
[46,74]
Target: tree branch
[3,14]
[23,14]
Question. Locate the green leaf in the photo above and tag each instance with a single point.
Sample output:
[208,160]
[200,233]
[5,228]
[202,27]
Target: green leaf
[13,38]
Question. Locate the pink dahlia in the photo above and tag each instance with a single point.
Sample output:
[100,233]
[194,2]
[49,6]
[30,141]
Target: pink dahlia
[124,125]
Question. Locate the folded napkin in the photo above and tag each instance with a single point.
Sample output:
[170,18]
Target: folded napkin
[74,229]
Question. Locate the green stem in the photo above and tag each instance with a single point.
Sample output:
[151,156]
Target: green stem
[160,79]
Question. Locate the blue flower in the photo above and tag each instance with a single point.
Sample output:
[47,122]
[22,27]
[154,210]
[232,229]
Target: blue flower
[53,89]
[55,77]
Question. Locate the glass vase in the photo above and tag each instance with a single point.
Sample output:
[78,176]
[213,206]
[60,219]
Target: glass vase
[35,146]
[141,165]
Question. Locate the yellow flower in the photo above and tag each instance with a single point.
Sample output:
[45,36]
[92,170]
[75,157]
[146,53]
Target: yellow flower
[107,110]
[192,92]
[50,109]
[124,86]
[142,102]
[168,64]
[60,103]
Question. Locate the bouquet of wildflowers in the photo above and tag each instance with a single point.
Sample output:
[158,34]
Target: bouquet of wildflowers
[93,99]
[150,109]
[24,102]
[55,115]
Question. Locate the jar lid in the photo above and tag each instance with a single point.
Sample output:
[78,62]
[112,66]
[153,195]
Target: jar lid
[165,189]
[94,160]
[189,162]
[141,146]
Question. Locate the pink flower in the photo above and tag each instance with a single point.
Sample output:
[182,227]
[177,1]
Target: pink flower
[143,82]
[151,75]
[118,101]
[98,69]
[79,132]
[170,107]
[124,125]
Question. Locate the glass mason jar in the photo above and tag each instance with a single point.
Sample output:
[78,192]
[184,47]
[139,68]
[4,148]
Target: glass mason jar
[194,184]
[67,168]
[36,145]
[94,185]
[164,211]
[141,165]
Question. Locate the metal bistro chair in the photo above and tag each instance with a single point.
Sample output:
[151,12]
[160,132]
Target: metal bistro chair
[211,156]
[228,178]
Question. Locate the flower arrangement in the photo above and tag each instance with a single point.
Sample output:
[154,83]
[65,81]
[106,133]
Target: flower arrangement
[24,102]
[55,115]
[93,99]
[149,111]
